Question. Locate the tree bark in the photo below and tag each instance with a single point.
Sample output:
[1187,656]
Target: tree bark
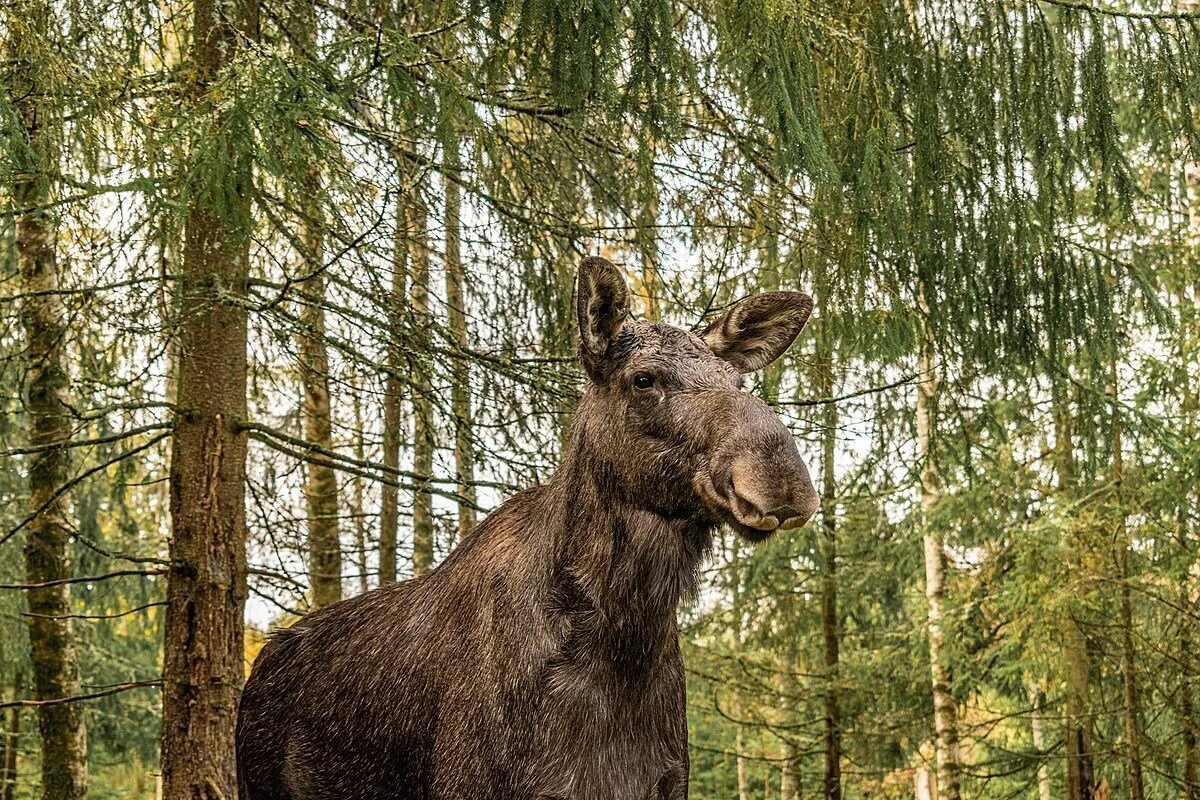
[945,712]
[924,784]
[360,521]
[1188,339]
[789,784]
[646,233]
[1133,734]
[12,743]
[1037,702]
[203,662]
[393,397]
[1077,666]
[320,480]
[743,774]
[422,388]
[460,377]
[739,745]
[1187,707]
[832,782]
[44,320]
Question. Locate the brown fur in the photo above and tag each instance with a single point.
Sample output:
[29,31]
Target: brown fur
[541,659]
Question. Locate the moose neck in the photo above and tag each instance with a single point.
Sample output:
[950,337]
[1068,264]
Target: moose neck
[622,568]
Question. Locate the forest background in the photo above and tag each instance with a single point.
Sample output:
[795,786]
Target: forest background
[285,307]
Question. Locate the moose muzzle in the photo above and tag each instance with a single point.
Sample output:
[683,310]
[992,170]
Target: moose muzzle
[757,479]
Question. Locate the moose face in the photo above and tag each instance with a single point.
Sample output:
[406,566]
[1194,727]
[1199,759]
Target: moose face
[665,420]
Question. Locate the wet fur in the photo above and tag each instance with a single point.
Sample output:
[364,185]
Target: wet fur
[540,660]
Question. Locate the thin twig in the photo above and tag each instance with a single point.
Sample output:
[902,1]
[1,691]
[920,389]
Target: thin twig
[58,701]
[86,579]
[827,400]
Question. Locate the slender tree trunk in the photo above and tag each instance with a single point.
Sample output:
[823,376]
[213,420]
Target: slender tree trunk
[832,783]
[789,786]
[1187,594]
[360,520]
[203,662]
[767,782]
[1187,707]
[1077,667]
[1037,702]
[1133,735]
[422,388]
[647,234]
[44,320]
[460,377]
[945,712]
[924,784]
[12,743]
[320,480]
[393,396]
[1188,339]
[739,744]
[1187,634]
[743,772]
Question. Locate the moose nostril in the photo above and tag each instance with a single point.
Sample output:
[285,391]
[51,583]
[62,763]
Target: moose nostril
[785,512]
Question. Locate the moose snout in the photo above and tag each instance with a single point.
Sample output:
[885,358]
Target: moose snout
[765,487]
[775,495]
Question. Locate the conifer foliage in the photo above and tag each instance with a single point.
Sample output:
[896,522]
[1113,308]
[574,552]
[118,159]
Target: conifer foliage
[285,307]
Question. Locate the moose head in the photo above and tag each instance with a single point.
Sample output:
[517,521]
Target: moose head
[665,418]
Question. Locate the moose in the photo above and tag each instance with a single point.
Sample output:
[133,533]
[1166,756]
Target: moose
[541,659]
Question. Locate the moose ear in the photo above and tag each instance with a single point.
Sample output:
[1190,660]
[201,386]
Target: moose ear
[759,329]
[602,303]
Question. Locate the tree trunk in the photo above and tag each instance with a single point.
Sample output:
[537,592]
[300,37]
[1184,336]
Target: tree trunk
[203,662]
[360,520]
[646,234]
[422,388]
[832,783]
[393,397]
[1133,733]
[320,480]
[1037,701]
[924,784]
[1187,634]
[945,712]
[460,377]
[1188,339]
[739,744]
[12,743]
[1077,667]
[789,785]
[743,773]
[44,320]
[1187,708]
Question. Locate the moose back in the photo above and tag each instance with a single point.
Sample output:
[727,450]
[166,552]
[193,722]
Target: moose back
[541,658]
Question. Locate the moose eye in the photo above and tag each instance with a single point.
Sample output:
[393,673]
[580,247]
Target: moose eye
[643,381]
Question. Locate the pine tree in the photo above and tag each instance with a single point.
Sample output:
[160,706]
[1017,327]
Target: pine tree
[47,378]
[206,590]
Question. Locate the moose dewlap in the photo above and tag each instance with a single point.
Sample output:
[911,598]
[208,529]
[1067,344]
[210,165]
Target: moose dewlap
[541,659]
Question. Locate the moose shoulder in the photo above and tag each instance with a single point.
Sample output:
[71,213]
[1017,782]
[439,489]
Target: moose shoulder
[541,659]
